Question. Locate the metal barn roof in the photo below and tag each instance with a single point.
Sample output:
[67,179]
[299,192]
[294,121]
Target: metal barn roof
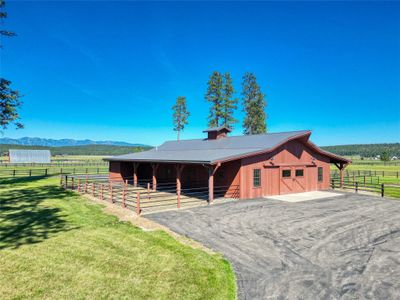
[29,156]
[212,151]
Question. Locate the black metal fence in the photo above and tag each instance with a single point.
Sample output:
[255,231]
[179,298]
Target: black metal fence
[4,173]
[382,189]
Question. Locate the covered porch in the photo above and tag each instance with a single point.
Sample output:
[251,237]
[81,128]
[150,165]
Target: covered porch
[204,181]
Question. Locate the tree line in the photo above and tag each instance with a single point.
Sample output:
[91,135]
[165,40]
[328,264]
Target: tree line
[385,151]
[220,95]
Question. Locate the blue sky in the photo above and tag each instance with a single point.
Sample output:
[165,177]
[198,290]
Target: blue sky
[112,70]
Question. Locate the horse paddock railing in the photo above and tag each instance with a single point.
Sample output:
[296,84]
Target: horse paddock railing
[143,198]
[382,189]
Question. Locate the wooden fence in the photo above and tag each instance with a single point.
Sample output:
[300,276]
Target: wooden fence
[143,198]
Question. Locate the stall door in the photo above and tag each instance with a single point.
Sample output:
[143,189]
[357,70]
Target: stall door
[286,184]
[299,181]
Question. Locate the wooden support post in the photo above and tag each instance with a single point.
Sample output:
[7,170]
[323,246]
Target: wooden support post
[138,203]
[356,187]
[179,169]
[101,192]
[154,177]
[383,190]
[211,173]
[341,176]
[135,177]
[210,186]
[72,183]
[79,185]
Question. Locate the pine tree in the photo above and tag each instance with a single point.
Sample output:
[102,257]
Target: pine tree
[229,103]
[253,105]
[9,98]
[214,95]
[180,115]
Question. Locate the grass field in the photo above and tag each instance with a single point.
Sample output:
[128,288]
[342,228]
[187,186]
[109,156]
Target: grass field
[57,245]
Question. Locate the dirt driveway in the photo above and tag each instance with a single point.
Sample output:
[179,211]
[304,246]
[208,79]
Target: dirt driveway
[345,247]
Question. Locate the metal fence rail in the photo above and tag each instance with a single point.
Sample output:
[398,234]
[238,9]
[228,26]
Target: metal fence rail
[351,173]
[51,171]
[385,190]
[143,198]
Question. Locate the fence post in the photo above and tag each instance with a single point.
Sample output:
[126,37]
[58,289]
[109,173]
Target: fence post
[111,193]
[79,185]
[66,181]
[364,180]
[30,172]
[333,183]
[382,189]
[124,197]
[72,183]
[45,172]
[14,173]
[86,183]
[356,187]
[138,203]
[101,192]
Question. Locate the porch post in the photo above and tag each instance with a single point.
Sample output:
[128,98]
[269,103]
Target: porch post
[135,178]
[179,169]
[211,173]
[155,167]
[210,185]
[341,170]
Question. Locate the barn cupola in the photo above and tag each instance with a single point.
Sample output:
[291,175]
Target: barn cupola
[215,133]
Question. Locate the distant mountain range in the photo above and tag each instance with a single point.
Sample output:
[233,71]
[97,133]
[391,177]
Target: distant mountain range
[35,141]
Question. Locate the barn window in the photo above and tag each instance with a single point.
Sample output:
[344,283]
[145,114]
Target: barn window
[256,177]
[286,173]
[320,174]
[299,173]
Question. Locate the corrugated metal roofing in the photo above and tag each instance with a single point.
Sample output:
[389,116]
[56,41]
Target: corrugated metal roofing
[210,151]
[30,156]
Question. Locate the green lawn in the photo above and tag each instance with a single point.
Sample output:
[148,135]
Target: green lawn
[57,245]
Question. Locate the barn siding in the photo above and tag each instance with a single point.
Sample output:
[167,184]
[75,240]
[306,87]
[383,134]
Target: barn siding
[289,156]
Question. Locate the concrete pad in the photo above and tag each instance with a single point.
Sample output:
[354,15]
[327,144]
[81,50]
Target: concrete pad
[306,196]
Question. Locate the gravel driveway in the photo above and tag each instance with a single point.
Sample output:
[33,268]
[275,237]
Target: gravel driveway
[345,247]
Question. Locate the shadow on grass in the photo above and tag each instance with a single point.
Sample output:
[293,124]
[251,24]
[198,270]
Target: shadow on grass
[24,220]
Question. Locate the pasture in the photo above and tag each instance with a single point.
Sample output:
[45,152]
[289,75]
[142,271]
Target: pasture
[58,245]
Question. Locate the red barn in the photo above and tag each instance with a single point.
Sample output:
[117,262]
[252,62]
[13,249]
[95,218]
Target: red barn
[244,167]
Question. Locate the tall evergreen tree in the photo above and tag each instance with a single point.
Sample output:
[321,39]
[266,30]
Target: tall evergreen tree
[9,98]
[253,105]
[214,95]
[229,103]
[180,115]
